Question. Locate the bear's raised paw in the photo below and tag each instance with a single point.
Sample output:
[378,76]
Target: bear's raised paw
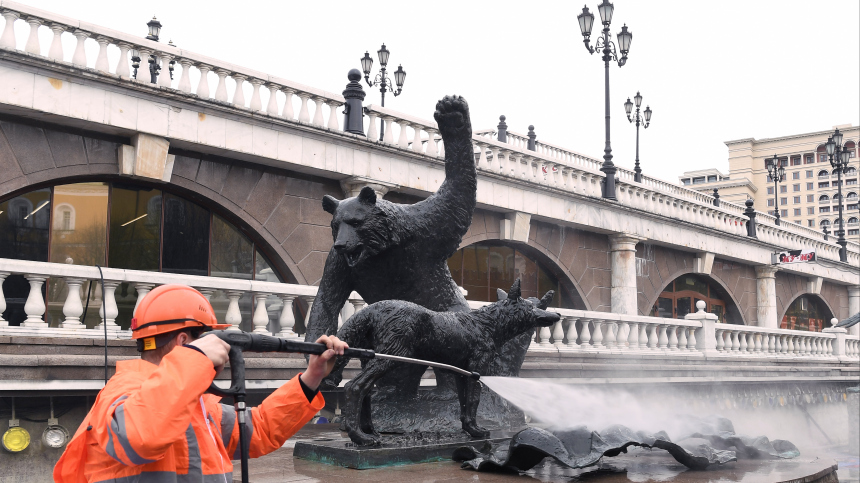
[452,116]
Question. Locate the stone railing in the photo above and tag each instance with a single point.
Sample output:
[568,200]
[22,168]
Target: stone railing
[207,69]
[272,301]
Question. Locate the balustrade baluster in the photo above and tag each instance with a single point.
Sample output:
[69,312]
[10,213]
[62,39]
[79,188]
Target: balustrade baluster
[736,345]
[544,334]
[597,334]
[142,289]
[287,320]
[73,308]
[673,337]
[691,339]
[777,344]
[261,317]
[32,46]
[333,123]
[622,335]
[102,63]
[256,101]
[493,165]
[742,339]
[417,145]
[7,40]
[585,335]
[3,323]
[304,113]
[402,141]
[185,78]
[163,60]
[757,339]
[239,93]
[571,332]
[80,56]
[388,137]
[611,337]
[205,291]
[233,316]
[662,338]
[372,132]
[34,307]
[288,113]
[682,339]
[720,336]
[310,300]
[272,105]
[108,309]
[633,336]
[789,348]
[558,333]
[221,90]
[318,115]
[203,83]
[55,52]
[431,142]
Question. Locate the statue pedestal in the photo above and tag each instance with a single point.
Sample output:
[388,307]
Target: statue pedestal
[395,450]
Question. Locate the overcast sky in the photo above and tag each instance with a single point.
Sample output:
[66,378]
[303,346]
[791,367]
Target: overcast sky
[711,71]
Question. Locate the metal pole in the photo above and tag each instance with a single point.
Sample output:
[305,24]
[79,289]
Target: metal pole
[382,90]
[840,235]
[776,189]
[638,176]
[608,167]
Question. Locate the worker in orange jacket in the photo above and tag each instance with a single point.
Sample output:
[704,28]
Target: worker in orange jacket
[153,423]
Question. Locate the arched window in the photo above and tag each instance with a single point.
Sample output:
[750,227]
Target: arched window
[807,312]
[850,171]
[64,217]
[850,196]
[486,266]
[852,221]
[824,222]
[851,147]
[836,198]
[680,296]
[822,153]
[823,198]
[823,173]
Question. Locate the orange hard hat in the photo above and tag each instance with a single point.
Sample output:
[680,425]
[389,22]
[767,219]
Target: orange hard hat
[169,308]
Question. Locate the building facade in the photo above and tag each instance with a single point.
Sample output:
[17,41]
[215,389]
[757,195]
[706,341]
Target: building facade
[809,194]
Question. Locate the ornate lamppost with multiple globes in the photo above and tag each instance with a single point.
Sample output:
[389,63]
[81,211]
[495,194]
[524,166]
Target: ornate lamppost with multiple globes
[777,173]
[645,121]
[839,156]
[381,78]
[604,43]
[154,28]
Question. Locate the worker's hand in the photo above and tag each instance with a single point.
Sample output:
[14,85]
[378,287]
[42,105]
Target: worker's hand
[215,349]
[321,365]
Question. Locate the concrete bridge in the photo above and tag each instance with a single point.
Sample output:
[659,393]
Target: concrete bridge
[256,153]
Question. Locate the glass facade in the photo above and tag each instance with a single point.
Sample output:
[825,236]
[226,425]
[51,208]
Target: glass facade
[806,313]
[680,296]
[126,226]
[484,267]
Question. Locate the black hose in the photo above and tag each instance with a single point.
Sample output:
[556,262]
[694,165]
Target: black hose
[86,305]
[104,319]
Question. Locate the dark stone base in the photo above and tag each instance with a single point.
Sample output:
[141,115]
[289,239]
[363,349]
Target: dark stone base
[395,450]
[438,410]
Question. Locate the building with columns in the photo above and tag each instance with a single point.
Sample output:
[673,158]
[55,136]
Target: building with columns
[809,194]
[184,181]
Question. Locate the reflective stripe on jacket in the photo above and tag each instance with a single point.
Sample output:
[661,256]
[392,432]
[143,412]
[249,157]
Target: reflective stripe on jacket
[151,424]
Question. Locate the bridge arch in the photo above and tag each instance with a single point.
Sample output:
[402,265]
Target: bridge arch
[806,311]
[685,288]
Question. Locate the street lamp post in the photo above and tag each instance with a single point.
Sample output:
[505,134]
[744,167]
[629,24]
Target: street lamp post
[381,78]
[777,173]
[154,29]
[646,121]
[604,42]
[839,156]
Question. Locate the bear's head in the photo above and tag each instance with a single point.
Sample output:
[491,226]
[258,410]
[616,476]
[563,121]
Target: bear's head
[360,228]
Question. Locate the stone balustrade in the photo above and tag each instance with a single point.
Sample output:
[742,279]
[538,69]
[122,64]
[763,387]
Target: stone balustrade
[209,71]
[267,296]
[252,93]
[602,332]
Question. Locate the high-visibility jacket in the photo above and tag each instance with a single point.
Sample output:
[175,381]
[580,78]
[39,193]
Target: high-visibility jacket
[153,424]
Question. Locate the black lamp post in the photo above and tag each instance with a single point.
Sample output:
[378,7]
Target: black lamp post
[646,121]
[604,42]
[381,78]
[839,156]
[154,29]
[777,173]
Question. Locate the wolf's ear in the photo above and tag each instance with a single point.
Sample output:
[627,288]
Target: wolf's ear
[367,196]
[501,294]
[330,204]
[515,291]
[546,300]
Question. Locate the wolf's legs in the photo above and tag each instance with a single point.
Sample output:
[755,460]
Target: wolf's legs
[365,420]
[469,393]
[356,392]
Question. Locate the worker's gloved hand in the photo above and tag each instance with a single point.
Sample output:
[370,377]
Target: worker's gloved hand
[215,349]
[321,365]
